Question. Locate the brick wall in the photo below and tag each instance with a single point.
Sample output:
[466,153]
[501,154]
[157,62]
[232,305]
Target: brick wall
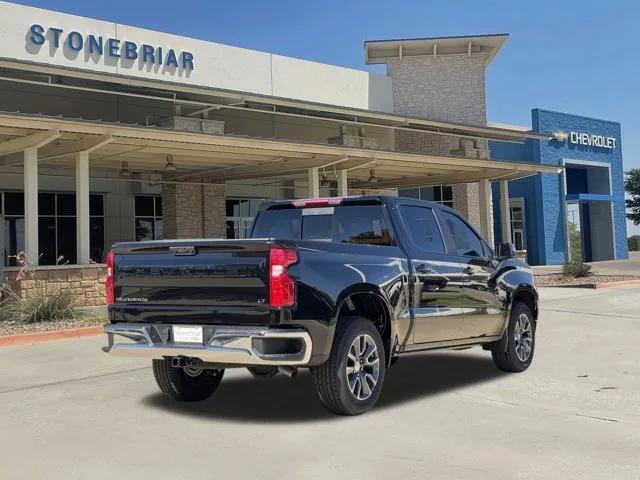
[447,88]
[86,283]
[193,211]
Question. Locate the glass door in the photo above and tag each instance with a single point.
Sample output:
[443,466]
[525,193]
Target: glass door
[518,228]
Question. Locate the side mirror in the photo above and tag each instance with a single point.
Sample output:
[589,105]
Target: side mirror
[505,250]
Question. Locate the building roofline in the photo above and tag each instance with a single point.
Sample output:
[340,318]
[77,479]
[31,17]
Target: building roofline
[452,37]
[586,117]
[379,51]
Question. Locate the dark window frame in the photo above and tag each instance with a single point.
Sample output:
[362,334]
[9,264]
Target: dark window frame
[55,216]
[156,217]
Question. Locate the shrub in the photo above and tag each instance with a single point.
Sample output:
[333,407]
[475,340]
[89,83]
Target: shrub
[576,269]
[634,243]
[38,306]
[575,243]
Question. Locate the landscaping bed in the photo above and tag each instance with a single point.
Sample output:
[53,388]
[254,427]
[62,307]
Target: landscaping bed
[17,328]
[589,281]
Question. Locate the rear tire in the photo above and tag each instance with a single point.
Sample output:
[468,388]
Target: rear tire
[521,341]
[187,384]
[350,381]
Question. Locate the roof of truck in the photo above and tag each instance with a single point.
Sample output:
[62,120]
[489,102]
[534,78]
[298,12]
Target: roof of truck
[350,200]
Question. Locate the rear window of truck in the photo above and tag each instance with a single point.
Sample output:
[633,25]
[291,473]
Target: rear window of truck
[361,224]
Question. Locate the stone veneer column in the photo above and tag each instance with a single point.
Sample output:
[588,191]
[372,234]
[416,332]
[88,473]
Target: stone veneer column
[193,211]
[447,88]
[215,211]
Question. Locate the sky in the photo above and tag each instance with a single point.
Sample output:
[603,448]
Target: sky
[581,57]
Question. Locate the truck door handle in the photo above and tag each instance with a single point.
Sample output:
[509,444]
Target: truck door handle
[423,268]
[468,271]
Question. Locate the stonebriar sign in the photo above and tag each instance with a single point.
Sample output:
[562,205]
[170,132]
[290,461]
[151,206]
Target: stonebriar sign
[111,48]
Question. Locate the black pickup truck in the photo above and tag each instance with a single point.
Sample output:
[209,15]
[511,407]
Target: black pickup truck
[343,286]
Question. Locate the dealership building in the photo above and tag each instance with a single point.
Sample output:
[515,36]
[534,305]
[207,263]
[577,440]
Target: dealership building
[110,132]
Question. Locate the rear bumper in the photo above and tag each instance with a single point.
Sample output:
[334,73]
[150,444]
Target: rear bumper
[222,345]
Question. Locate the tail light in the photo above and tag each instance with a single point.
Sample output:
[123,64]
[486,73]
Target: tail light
[108,286]
[282,288]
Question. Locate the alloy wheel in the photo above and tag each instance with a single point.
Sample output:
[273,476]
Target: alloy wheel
[363,367]
[523,337]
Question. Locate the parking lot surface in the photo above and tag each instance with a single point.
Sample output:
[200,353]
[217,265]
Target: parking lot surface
[71,412]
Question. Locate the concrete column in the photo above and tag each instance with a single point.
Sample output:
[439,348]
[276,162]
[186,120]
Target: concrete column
[505,211]
[343,186]
[31,204]
[82,208]
[484,196]
[314,182]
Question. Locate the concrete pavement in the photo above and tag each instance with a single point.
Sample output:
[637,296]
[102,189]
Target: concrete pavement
[69,411]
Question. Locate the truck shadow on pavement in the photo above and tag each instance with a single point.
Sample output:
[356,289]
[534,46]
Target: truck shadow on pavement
[281,399]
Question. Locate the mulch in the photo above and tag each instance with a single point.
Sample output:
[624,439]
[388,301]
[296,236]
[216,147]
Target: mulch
[590,281]
[18,328]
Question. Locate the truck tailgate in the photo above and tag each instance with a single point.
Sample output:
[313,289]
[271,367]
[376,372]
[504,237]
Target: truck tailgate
[192,281]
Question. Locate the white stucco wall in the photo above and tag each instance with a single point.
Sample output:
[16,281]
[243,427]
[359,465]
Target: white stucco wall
[215,65]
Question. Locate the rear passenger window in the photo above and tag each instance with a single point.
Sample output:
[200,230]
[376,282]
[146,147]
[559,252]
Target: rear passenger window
[423,228]
[461,240]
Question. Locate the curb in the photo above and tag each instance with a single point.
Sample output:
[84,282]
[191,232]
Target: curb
[40,337]
[594,286]
[621,283]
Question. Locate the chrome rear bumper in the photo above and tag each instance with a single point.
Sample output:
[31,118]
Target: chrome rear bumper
[224,345]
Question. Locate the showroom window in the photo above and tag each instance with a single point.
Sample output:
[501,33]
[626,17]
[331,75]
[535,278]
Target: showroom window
[56,227]
[240,215]
[440,194]
[148,217]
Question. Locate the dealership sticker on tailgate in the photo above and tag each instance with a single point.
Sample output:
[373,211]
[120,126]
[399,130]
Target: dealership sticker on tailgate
[187,334]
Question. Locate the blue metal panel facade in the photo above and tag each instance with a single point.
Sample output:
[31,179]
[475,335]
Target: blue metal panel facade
[544,194]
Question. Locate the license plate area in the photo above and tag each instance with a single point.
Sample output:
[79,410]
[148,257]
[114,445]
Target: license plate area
[191,334]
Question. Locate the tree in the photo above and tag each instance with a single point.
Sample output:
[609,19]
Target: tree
[632,187]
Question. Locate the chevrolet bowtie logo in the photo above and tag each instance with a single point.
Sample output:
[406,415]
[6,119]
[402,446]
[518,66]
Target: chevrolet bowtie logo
[560,136]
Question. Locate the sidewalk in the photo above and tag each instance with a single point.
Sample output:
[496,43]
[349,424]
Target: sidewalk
[611,267]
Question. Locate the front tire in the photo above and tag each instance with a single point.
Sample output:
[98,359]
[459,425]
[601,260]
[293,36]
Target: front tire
[520,341]
[350,381]
[188,384]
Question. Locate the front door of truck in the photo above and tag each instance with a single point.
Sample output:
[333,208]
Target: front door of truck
[482,307]
[436,289]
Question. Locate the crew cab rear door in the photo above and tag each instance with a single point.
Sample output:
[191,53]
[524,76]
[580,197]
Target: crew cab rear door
[436,293]
[482,307]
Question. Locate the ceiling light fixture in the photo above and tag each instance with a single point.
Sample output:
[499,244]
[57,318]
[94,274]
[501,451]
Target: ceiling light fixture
[170,166]
[325,181]
[125,172]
